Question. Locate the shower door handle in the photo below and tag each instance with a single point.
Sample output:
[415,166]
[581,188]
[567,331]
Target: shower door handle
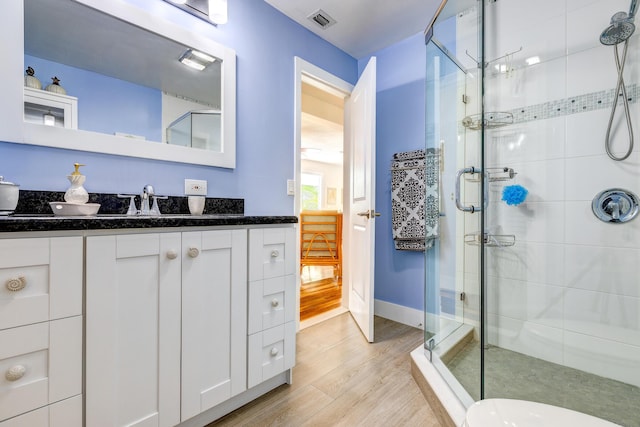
[472,170]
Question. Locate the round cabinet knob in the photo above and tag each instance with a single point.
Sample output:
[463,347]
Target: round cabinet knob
[193,252]
[16,372]
[275,253]
[172,254]
[275,302]
[274,351]
[16,284]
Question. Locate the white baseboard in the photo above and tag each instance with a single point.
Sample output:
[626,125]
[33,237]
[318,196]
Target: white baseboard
[399,313]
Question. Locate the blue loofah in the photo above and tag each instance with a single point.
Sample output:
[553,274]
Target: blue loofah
[514,194]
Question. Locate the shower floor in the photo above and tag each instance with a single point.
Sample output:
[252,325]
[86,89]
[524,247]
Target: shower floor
[515,376]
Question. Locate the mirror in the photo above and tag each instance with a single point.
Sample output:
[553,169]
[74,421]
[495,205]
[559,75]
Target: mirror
[120,69]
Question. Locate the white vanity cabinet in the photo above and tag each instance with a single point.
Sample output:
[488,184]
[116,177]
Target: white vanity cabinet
[133,319]
[214,318]
[166,325]
[41,332]
[272,294]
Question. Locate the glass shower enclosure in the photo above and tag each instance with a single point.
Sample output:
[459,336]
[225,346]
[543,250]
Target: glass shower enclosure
[533,287]
[197,129]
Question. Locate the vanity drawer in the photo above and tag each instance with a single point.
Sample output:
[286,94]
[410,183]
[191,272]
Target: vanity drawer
[40,364]
[271,302]
[271,352]
[271,252]
[40,279]
[67,413]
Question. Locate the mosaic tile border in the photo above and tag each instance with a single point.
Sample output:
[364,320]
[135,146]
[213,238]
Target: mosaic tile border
[573,105]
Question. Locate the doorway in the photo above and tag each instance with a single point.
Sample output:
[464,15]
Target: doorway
[321,189]
[358,197]
[320,179]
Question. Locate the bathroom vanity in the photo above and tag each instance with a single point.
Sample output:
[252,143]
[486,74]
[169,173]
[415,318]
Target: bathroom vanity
[176,319]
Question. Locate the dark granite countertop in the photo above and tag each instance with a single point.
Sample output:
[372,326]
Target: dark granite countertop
[33,213]
[16,223]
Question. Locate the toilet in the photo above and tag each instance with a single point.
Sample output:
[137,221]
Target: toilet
[522,413]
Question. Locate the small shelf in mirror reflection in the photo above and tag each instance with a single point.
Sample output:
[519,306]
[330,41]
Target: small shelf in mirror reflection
[39,103]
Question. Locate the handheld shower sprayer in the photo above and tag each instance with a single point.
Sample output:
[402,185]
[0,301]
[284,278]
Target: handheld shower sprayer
[621,27]
[620,30]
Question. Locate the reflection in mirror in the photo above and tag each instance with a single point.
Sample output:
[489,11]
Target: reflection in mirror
[121,79]
[197,129]
[124,77]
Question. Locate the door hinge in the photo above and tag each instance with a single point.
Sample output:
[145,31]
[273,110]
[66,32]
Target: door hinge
[463,296]
[465,99]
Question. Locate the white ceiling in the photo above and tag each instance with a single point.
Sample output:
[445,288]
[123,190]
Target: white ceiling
[362,26]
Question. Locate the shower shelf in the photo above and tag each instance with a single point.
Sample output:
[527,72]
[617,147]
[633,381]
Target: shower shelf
[492,120]
[501,174]
[493,175]
[490,240]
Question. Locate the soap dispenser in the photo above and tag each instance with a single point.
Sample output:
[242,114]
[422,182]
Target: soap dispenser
[76,193]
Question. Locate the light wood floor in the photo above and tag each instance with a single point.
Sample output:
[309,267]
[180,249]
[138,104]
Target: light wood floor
[341,380]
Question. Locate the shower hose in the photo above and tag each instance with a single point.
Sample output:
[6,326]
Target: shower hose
[620,87]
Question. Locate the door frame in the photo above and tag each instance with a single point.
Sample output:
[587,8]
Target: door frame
[310,73]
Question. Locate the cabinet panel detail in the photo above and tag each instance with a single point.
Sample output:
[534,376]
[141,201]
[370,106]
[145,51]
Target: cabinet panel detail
[271,352]
[66,413]
[272,252]
[271,302]
[40,280]
[39,364]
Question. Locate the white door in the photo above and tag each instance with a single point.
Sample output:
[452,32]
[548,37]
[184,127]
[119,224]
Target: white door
[361,139]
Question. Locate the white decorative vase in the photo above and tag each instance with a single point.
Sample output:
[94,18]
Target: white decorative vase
[30,80]
[76,193]
[55,87]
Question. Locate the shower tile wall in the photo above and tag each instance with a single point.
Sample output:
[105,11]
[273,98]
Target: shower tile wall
[569,290]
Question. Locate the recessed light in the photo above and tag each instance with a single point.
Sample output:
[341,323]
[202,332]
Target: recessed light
[196,59]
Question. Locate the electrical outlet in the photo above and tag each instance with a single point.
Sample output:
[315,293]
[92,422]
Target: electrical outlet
[195,187]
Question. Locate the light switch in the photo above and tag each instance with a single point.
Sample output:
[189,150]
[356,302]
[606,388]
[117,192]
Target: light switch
[291,187]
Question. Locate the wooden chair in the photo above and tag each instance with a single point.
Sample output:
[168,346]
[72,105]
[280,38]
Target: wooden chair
[321,239]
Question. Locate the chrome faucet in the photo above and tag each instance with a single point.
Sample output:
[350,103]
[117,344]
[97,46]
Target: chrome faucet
[145,197]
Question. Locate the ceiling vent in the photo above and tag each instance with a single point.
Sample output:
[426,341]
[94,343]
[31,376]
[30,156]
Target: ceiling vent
[321,18]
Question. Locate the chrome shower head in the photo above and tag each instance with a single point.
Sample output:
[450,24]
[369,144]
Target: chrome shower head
[617,33]
[621,28]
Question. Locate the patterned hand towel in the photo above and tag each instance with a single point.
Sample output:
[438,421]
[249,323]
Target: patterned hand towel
[415,199]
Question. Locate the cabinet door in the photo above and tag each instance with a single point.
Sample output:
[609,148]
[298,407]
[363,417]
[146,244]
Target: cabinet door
[133,330]
[214,318]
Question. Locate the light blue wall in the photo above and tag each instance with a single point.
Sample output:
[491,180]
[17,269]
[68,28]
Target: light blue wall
[400,126]
[105,104]
[265,42]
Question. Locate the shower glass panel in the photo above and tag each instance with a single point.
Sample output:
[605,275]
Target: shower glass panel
[553,309]
[452,303]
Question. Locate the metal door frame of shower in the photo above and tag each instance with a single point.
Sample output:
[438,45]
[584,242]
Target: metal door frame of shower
[428,33]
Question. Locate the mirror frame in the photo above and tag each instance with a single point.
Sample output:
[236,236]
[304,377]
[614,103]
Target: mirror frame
[16,130]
